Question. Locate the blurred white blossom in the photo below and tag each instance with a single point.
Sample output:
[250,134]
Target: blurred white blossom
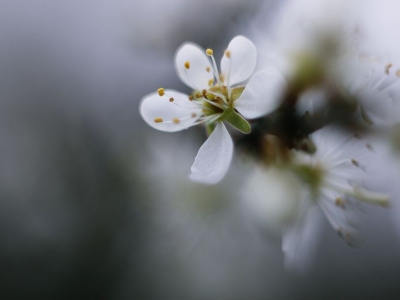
[332,179]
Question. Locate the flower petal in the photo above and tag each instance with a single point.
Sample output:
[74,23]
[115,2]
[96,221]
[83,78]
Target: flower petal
[214,157]
[199,72]
[262,95]
[240,63]
[300,239]
[170,116]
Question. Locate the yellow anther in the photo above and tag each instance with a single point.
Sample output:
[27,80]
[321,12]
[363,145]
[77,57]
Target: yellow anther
[190,97]
[354,162]
[398,73]
[161,92]
[221,77]
[158,120]
[208,69]
[387,68]
[211,82]
[187,64]
[228,54]
[197,95]
[209,52]
[210,96]
[194,115]
[339,202]
[171,99]
[176,120]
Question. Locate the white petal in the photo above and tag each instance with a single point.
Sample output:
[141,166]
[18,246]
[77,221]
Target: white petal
[242,62]
[272,197]
[153,106]
[262,95]
[214,157]
[300,239]
[200,71]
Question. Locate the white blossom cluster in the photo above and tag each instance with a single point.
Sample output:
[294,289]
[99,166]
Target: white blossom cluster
[327,84]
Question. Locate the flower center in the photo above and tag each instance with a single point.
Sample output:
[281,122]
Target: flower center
[214,101]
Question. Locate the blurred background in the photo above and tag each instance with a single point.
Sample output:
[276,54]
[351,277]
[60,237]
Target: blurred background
[95,204]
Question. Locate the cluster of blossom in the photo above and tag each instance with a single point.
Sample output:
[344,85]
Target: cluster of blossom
[303,155]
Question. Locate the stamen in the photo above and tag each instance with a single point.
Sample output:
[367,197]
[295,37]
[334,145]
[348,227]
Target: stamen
[210,96]
[190,97]
[354,162]
[208,119]
[387,68]
[172,100]
[208,69]
[161,92]
[228,55]
[215,118]
[211,82]
[218,95]
[194,115]
[370,197]
[158,120]
[398,73]
[214,103]
[209,52]
[200,106]
[215,69]
[178,120]
[340,232]
[340,202]
[347,236]
[187,65]
[187,107]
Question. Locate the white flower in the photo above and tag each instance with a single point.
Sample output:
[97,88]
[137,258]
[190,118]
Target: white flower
[331,181]
[215,99]
[336,174]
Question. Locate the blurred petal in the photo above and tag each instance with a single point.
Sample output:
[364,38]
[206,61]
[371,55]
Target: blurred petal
[300,239]
[199,72]
[214,157]
[262,95]
[242,61]
[272,197]
[154,107]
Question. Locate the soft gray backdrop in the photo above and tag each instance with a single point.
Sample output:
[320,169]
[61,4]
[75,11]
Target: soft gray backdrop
[94,204]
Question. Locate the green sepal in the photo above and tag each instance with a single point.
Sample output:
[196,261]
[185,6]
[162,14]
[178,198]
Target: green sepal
[210,128]
[236,120]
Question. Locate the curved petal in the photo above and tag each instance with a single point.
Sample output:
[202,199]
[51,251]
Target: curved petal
[214,157]
[299,240]
[241,61]
[199,72]
[171,116]
[262,95]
